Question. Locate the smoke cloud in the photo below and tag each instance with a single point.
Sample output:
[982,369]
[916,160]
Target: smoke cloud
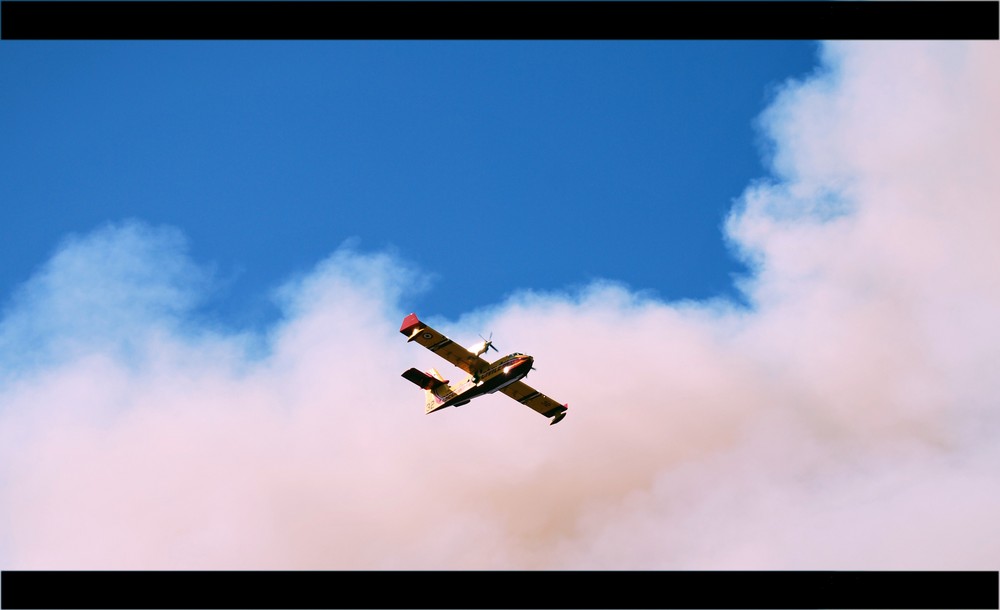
[845,419]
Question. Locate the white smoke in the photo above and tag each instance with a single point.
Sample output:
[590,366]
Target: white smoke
[846,419]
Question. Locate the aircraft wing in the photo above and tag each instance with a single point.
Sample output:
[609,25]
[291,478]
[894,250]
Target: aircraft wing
[415,330]
[527,395]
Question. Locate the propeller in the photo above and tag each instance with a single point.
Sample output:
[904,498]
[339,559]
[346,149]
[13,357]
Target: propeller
[481,348]
[488,343]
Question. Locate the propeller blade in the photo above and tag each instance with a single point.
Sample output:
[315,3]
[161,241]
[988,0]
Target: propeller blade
[488,343]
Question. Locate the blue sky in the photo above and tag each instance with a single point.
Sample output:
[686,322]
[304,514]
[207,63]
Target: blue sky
[493,166]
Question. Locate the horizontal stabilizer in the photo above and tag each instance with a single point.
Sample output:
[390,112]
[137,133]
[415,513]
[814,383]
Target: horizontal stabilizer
[423,380]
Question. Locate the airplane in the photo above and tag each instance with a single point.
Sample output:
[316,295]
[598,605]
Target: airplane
[485,377]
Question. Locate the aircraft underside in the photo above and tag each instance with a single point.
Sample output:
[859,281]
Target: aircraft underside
[488,387]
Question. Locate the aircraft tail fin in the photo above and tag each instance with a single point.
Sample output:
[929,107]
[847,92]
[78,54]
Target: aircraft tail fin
[432,402]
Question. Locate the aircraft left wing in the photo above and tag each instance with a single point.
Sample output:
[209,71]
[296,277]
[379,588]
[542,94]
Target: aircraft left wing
[415,330]
[529,396]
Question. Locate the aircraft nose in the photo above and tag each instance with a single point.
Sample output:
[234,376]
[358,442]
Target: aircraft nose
[518,364]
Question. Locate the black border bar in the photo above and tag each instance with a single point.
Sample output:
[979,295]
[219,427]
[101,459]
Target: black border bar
[488,590]
[497,20]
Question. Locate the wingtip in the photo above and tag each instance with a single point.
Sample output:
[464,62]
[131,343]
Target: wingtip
[409,323]
[558,418]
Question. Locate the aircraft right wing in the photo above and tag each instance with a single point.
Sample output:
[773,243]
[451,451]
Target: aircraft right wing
[415,330]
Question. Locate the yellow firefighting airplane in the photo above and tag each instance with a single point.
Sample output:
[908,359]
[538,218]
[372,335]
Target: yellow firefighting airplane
[484,377]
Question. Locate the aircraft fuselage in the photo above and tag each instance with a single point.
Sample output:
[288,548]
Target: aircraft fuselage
[499,375]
